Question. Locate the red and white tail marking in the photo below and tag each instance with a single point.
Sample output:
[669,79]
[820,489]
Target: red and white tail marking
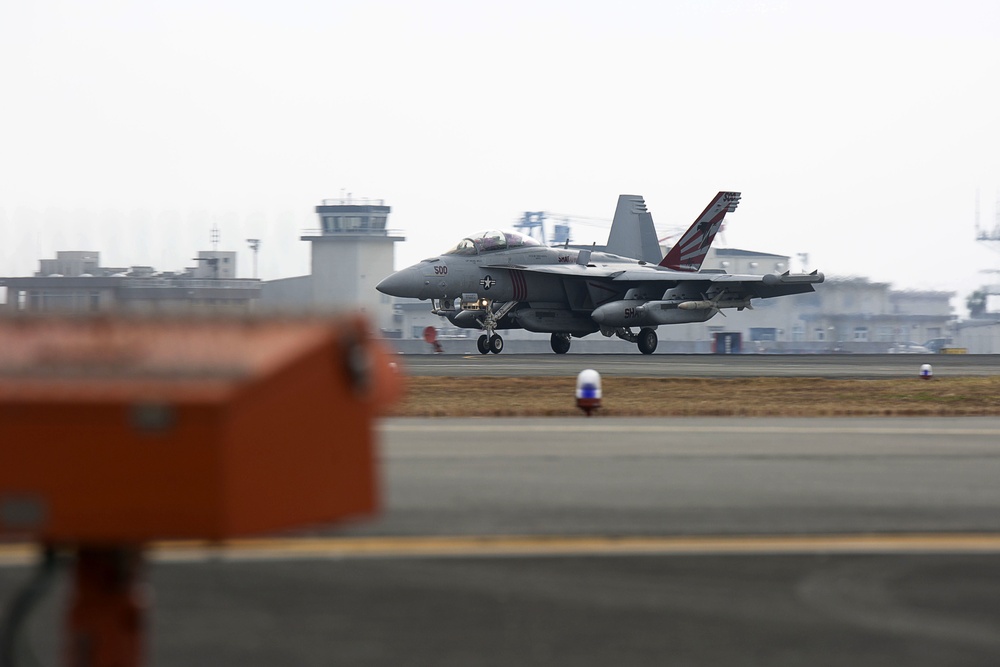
[690,251]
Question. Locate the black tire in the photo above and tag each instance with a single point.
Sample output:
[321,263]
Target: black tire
[496,344]
[483,344]
[647,341]
[560,343]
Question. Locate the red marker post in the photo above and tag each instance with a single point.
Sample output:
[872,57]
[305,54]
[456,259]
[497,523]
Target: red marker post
[430,336]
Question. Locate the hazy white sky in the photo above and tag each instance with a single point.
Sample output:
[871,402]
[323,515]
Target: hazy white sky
[858,132]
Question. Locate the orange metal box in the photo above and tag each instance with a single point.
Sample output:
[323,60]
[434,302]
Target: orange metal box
[127,430]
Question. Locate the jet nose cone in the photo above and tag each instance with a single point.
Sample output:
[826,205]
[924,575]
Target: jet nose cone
[404,283]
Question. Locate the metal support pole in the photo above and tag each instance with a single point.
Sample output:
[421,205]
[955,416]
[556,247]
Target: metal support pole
[106,623]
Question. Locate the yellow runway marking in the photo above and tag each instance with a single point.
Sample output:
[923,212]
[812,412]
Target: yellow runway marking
[279,549]
[17,554]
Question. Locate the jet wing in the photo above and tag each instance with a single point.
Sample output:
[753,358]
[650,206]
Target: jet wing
[770,285]
[765,286]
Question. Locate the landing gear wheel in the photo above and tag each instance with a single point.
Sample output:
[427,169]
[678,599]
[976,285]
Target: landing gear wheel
[483,344]
[647,341]
[496,344]
[560,343]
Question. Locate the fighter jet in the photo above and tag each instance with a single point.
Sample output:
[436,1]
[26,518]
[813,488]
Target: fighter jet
[498,280]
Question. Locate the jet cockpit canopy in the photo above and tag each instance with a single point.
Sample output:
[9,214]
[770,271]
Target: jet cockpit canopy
[491,241]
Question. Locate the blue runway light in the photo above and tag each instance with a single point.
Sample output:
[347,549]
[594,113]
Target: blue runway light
[588,390]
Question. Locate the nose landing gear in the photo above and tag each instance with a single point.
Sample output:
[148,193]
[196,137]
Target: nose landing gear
[491,341]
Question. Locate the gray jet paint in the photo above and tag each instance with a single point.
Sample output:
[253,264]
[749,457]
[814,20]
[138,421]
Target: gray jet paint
[503,280]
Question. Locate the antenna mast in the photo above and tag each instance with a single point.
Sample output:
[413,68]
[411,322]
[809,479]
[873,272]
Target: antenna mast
[991,237]
[255,246]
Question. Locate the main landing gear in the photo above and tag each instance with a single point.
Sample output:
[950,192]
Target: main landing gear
[487,344]
[645,339]
[560,343]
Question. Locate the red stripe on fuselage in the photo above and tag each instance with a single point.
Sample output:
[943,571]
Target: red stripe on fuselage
[519,284]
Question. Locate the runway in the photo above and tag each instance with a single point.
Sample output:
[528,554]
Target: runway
[687,476]
[861,366]
[625,541]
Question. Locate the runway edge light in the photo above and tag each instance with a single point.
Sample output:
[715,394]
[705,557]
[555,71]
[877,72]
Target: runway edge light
[926,372]
[588,390]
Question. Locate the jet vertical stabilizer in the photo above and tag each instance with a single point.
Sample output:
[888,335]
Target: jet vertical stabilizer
[690,251]
[632,231]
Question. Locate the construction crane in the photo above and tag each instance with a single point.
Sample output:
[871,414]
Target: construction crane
[533,224]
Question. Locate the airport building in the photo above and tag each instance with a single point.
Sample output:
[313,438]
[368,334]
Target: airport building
[844,314]
[978,335]
[351,250]
[75,281]
[981,332]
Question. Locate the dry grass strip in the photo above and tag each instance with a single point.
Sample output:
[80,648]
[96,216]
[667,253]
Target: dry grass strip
[756,397]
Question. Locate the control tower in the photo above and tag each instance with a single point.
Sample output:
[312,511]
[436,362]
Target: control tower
[351,251]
